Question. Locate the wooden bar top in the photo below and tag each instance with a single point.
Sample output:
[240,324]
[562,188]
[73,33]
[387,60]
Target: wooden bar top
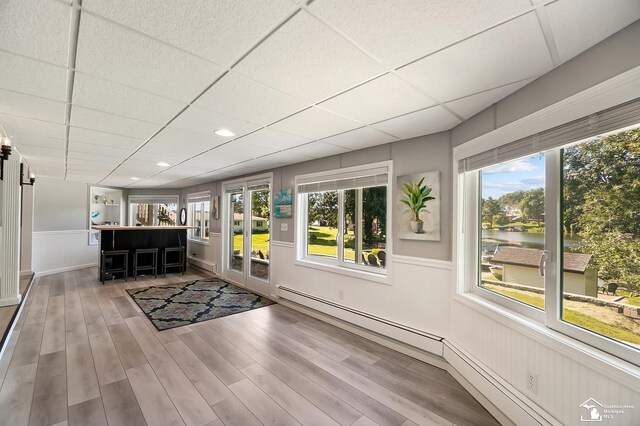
[138,228]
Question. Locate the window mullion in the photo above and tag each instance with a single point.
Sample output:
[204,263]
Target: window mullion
[553,238]
[340,233]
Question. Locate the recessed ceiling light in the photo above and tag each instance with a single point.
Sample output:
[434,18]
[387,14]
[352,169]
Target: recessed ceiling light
[135,178]
[163,164]
[224,132]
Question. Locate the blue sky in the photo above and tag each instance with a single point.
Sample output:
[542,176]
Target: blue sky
[523,174]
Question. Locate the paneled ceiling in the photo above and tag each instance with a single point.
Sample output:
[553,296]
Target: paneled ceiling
[101,91]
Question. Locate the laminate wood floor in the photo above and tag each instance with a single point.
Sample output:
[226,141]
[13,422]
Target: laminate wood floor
[84,354]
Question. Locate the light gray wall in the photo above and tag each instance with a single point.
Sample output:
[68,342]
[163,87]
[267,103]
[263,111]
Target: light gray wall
[611,57]
[425,153]
[60,205]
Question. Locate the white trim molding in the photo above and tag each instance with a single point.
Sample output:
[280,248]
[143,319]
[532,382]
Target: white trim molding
[421,261]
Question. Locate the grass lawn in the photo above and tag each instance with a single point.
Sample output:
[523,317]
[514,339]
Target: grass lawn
[574,317]
[259,242]
[325,243]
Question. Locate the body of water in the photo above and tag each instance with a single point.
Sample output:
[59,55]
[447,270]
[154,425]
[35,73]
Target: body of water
[525,239]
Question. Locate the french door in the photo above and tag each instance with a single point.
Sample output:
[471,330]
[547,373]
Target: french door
[247,232]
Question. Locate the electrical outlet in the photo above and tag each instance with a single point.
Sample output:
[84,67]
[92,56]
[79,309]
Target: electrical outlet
[341,294]
[532,382]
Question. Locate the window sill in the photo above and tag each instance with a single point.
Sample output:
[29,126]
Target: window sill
[341,270]
[201,242]
[623,371]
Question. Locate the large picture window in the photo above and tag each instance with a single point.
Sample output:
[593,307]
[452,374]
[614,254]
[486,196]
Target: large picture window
[557,233]
[198,213]
[344,218]
[153,210]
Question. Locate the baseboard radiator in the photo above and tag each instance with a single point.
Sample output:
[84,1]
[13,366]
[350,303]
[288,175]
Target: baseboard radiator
[296,295]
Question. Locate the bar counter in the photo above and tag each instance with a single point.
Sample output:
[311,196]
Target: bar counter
[115,237]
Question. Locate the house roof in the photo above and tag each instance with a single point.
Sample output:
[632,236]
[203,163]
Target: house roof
[573,262]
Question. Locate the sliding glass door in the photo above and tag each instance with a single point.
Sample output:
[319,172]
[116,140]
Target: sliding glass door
[248,231]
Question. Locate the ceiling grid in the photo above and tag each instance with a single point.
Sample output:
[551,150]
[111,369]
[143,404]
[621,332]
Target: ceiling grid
[102,91]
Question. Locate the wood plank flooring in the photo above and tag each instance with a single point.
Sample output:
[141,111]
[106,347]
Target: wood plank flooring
[83,353]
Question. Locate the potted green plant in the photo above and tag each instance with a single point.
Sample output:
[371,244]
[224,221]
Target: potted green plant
[416,196]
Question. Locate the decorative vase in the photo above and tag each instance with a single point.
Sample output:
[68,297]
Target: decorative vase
[417,226]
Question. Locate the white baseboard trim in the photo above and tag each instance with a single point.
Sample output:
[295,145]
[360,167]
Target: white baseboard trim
[26,273]
[10,301]
[508,405]
[203,264]
[65,269]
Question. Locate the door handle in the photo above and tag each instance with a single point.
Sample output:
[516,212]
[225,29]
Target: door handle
[546,257]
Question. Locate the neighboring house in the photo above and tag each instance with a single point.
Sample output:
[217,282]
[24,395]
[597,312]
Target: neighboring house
[521,266]
[257,223]
[513,213]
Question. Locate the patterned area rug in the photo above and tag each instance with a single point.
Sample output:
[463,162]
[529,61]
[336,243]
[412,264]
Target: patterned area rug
[175,305]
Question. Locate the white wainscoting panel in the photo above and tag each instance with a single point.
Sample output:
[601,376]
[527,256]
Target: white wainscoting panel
[564,380]
[58,251]
[416,297]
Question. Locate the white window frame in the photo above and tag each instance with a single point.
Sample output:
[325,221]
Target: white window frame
[467,253]
[149,199]
[201,198]
[338,265]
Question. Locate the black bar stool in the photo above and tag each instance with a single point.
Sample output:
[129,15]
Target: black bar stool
[108,266]
[175,264]
[153,266]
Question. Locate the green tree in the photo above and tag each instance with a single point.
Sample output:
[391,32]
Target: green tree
[323,208]
[260,204]
[601,194]
[532,205]
[490,208]
[501,218]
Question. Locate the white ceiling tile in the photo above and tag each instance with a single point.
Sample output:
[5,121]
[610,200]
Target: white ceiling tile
[471,105]
[156,158]
[21,129]
[399,31]
[205,122]
[83,178]
[103,95]
[579,24]
[176,142]
[93,137]
[286,157]
[36,28]
[43,152]
[19,104]
[218,30]
[239,97]
[385,97]
[272,139]
[39,141]
[315,123]
[307,60]
[427,121]
[227,154]
[511,52]
[109,160]
[318,150]
[109,123]
[33,77]
[363,137]
[100,151]
[114,53]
